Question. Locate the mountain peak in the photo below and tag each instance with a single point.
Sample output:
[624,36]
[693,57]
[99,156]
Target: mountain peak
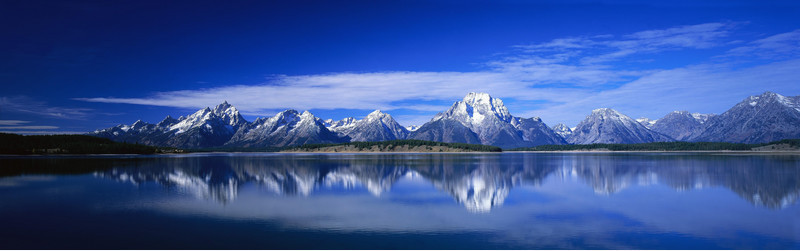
[646,122]
[224,107]
[757,119]
[229,114]
[166,122]
[604,110]
[607,112]
[562,129]
[476,97]
[607,125]
[702,118]
[284,116]
[475,109]
[771,97]
[377,115]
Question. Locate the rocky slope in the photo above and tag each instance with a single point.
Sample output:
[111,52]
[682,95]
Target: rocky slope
[606,125]
[757,119]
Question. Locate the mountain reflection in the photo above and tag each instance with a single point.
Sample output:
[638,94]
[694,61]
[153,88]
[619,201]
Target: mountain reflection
[477,181]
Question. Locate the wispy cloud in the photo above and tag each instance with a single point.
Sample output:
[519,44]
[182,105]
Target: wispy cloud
[45,132]
[565,77]
[599,49]
[13,122]
[23,104]
[28,127]
[707,88]
[784,45]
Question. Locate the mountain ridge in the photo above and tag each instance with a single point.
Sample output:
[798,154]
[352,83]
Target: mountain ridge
[478,118]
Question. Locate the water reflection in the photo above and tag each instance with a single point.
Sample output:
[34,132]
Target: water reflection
[479,182]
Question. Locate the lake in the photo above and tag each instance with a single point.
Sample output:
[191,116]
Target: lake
[401,201]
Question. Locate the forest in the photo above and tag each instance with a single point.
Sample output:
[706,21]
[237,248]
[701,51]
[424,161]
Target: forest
[68,144]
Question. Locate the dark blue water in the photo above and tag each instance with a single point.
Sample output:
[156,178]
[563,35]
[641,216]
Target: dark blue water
[401,201]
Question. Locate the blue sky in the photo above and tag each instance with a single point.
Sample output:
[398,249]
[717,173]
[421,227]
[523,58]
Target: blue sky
[77,66]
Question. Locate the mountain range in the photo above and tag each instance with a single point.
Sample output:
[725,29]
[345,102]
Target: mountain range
[476,119]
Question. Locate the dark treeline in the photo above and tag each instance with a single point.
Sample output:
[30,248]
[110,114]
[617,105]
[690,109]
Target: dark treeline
[67,144]
[402,142]
[661,146]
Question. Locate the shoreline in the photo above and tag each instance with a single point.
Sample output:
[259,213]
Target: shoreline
[407,152]
[687,151]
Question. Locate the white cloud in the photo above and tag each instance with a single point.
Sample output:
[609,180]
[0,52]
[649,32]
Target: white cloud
[703,88]
[13,122]
[566,78]
[777,46]
[44,132]
[23,104]
[600,49]
[27,127]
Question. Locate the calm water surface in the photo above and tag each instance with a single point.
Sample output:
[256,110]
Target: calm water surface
[405,201]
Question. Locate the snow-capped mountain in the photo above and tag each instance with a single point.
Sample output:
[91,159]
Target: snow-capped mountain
[476,119]
[224,125]
[341,125]
[646,122]
[563,130]
[681,125]
[702,118]
[412,128]
[138,132]
[287,128]
[224,113]
[606,125]
[535,132]
[205,128]
[167,122]
[377,126]
[445,130]
[488,120]
[757,119]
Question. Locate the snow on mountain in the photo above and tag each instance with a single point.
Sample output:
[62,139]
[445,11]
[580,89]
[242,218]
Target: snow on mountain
[535,132]
[138,132]
[563,130]
[167,122]
[229,114]
[223,113]
[341,125]
[412,128]
[490,121]
[476,109]
[757,119]
[377,126]
[702,118]
[445,130]
[477,118]
[646,122]
[287,128]
[606,125]
[680,125]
